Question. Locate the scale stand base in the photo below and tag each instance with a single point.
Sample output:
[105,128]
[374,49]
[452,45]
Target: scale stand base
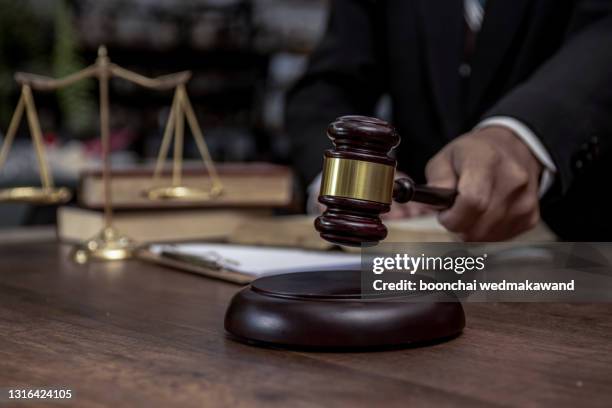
[326,310]
[108,245]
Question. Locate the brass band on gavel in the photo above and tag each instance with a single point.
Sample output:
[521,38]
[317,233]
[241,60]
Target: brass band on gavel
[357,179]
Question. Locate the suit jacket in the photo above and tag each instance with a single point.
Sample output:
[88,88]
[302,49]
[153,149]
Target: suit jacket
[547,63]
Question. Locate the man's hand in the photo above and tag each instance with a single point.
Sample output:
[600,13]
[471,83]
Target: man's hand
[407,210]
[497,178]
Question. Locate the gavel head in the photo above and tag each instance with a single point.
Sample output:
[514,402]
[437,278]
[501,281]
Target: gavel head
[357,181]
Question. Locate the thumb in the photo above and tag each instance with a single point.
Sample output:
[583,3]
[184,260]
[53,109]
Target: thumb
[440,172]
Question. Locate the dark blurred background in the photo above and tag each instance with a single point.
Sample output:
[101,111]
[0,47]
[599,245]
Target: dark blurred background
[244,54]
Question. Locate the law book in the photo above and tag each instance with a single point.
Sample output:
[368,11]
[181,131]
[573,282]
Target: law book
[245,227]
[78,224]
[245,185]
[298,231]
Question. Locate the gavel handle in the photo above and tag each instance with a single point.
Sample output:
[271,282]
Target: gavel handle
[405,189]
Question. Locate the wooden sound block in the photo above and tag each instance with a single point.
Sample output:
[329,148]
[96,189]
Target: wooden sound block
[326,310]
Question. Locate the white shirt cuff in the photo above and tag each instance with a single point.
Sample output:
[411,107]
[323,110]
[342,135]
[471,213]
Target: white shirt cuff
[533,143]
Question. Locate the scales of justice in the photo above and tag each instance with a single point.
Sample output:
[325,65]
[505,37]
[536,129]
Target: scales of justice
[110,244]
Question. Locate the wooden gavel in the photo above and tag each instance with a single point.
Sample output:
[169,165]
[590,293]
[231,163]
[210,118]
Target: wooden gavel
[358,182]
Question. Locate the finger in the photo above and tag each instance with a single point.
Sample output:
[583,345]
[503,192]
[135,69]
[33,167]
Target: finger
[530,223]
[415,209]
[525,214]
[503,230]
[408,209]
[320,208]
[419,209]
[440,172]
[395,213]
[491,226]
[518,229]
[511,211]
[475,187]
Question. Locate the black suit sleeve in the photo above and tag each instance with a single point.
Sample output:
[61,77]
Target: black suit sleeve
[567,102]
[343,77]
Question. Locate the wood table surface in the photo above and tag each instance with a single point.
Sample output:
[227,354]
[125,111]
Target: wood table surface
[137,335]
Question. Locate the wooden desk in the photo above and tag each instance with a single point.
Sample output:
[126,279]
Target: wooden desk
[133,334]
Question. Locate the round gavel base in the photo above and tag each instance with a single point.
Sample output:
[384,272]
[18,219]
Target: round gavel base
[325,310]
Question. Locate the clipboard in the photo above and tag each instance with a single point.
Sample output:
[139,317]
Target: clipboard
[241,264]
[194,265]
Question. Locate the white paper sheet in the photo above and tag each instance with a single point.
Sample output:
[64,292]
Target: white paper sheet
[259,261]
